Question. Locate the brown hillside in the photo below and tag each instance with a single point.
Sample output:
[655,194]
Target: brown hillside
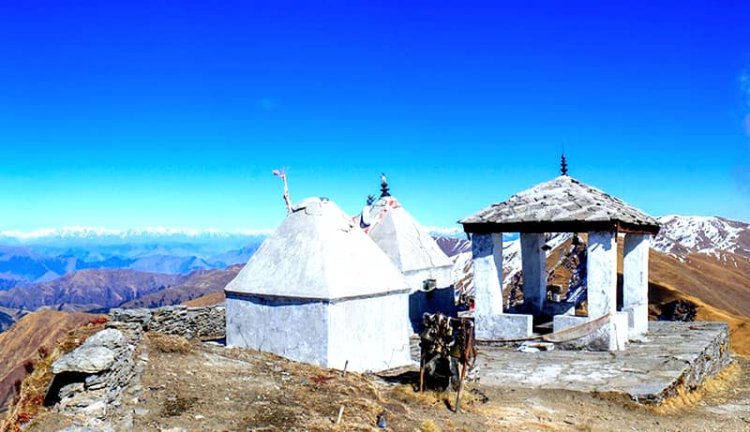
[719,286]
[198,284]
[739,326]
[24,339]
[211,299]
[723,282]
[95,288]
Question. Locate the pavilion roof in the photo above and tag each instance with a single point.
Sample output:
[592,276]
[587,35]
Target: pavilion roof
[562,204]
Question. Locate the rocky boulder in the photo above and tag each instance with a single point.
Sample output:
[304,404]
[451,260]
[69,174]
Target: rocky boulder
[96,355]
[91,378]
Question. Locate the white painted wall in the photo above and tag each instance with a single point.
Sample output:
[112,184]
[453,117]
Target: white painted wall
[442,275]
[372,334]
[635,283]
[298,332]
[534,264]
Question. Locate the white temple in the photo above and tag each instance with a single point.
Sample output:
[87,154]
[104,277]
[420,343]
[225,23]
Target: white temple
[320,291]
[414,252]
[411,248]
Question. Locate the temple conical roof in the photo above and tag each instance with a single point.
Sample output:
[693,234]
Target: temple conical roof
[318,253]
[563,204]
[402,238]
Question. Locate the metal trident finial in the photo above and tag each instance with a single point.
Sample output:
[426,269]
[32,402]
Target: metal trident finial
[282,175]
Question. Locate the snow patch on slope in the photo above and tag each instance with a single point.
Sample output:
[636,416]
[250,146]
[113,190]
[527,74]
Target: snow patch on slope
[680,235]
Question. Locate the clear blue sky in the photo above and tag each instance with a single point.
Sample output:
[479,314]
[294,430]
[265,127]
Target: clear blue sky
[144,113]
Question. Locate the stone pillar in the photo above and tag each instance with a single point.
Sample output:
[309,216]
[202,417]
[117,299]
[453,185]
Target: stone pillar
[487,253]
[534,264]
[489,320]
[635,283]
[601,269]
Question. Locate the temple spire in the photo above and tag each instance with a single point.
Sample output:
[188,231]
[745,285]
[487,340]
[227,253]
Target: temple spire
[563,165]
[384,191]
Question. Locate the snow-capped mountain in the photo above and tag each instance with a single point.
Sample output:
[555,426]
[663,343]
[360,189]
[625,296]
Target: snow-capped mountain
[79,234]
[712,235]
[452,246]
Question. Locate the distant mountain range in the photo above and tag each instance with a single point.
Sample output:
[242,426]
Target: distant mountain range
[92,270]
[48,254]
[6,321]
[88,290]
[104,235]
[45,255]
[196,285]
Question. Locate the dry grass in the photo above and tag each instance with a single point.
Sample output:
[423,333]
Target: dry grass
[434,399]
[169,343]
[207,300]
[721,283]
[177,406]
[28,402]
[247,390]
[686,398]
[429,426]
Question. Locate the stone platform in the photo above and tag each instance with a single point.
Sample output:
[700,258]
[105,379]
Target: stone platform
[674,354]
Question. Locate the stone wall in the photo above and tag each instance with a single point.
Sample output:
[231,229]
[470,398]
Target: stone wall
[716,355]
[701,356]
[201,322]
[90,380]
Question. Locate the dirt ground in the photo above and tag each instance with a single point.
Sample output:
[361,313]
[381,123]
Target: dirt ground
[203,387]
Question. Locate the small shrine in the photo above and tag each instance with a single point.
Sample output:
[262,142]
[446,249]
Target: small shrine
[413,251]
[563,205]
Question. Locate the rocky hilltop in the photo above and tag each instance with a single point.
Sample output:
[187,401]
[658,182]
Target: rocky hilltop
[137,372]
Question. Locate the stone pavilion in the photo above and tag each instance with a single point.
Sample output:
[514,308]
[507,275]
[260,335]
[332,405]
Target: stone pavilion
[563,204]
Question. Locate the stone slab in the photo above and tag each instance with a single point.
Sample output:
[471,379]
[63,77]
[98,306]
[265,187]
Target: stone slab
[504,326]
[647,371]
[612,336]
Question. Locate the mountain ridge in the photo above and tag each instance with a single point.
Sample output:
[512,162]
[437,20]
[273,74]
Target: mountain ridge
[101,288]
[681,235]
